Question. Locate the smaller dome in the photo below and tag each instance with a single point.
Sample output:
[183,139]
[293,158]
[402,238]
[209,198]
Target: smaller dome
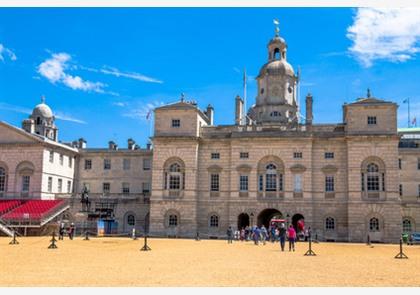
[277,67]
[277,40]
[42,110]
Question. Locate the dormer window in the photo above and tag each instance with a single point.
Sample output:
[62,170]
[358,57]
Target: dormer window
[176,123]
[275,114]
[371,120]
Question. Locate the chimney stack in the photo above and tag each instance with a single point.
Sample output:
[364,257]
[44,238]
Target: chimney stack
[210,114]
[28,125]
[131,144]
[238,110]
[148,146]
[309,115]
[112,145]
[82,143]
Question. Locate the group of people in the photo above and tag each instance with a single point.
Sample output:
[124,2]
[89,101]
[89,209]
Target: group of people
[274,233]
[62,231]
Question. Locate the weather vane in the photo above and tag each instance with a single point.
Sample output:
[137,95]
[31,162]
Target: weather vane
[276,23]
[43,98]
[182,96]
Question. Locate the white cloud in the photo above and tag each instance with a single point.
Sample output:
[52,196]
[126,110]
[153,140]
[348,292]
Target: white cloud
[143,110]
[58,115]
[385,34]
[6,52]
[117,73]
[54,69]
[119,104]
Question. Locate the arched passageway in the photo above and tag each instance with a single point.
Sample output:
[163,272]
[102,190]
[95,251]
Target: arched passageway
[243,220]
[266,215]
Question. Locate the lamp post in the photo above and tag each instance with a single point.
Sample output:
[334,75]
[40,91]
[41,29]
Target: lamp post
[287,219]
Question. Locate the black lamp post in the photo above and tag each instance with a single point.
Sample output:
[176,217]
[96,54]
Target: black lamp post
[287,219]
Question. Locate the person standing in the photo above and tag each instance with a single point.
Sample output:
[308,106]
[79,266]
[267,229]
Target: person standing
[229,233]
[242,234]
[61,231]
[71,231]
[256,235]
[264,234]
[292,238]
[282,236]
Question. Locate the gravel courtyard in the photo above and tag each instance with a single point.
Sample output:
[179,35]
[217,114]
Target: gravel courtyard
[118,262]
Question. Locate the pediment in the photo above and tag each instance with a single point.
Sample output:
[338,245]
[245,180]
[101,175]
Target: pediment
[298,168]
[244,168]
[329,169]
[214,168]
[11,134]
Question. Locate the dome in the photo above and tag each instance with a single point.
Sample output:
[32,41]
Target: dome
[277,67]
[42,110]
[277,39]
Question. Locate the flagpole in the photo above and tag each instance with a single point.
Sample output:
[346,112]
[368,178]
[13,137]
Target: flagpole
[408,103]
[244,111]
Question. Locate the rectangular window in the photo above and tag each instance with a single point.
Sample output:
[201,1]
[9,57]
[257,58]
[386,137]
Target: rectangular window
[298,183]
[86,185]
[51,157]
[126,164]
[401,189]
[243,183]
[399,164]
[176,123]
[261,183]
[174,182]
[243,155]
[297,155]
[125,188]
[88,164]
[26,181]
[373,183]
[146,187]
[146,164]
[50,184]
[106,187]
[329,155]
[68,186]
[214,182]
[371,120]
[215,156]
[70,162]
[60,185]
[329,183]
[271,182]
[61,159]
[107,164]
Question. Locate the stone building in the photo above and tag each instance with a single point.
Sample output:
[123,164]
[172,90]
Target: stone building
[347,181]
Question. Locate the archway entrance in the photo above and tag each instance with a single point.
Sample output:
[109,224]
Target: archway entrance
[243,220]
[295,220]
[266,215]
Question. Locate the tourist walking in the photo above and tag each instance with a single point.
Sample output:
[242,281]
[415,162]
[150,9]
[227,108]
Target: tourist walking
[282,236]
[256,235]
[61,231]
[229,233]
[264,234]
[291,233]
[242,234]
[71,231]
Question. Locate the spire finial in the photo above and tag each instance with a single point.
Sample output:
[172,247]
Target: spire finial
[42,98]
[277,29]
[182,97]
[368,93]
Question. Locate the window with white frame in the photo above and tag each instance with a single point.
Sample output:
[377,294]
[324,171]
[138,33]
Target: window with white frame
[26,182]
[371,120]
[372,177]
[146,164]
[88,164]
[407,228]
[176,123]
[243,183]
[329,183]
[51,156]
[68,186]
[329,223]
[61,159]
[173,220]
[106,187]
[50,184]
[271,178]
[126,164]
[297,187]
[174,176]
[215,156]
[60,185]
[214,221]
[329,155]
[107,164]
[214,182]
[125,188]
[374,224]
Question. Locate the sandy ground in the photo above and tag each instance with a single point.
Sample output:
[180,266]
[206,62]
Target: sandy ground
[210,263]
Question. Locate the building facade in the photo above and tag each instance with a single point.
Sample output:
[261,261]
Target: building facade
[347,181]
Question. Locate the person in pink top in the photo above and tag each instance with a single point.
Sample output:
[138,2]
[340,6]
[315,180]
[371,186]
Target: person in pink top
[291,233]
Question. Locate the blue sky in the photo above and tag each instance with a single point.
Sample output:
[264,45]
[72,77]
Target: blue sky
[101,69]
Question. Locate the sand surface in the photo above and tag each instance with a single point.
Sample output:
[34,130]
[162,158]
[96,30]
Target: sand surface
[210,263]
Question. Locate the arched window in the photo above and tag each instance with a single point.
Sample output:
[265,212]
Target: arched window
[3,181]
[38,120]
[131,220]
[271,178]
[329,223]
[270,174]
[407,225]
[276,53]
[374,224]
[373,177]
[174,177]
[173,220]
[214,221]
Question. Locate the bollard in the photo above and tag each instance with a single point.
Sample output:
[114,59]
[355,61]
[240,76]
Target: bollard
[368,240]
[145,247]
[14,241]
[133,235]
[86,236]
[310,252]
[197,237]
[401,255]
[53,240]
